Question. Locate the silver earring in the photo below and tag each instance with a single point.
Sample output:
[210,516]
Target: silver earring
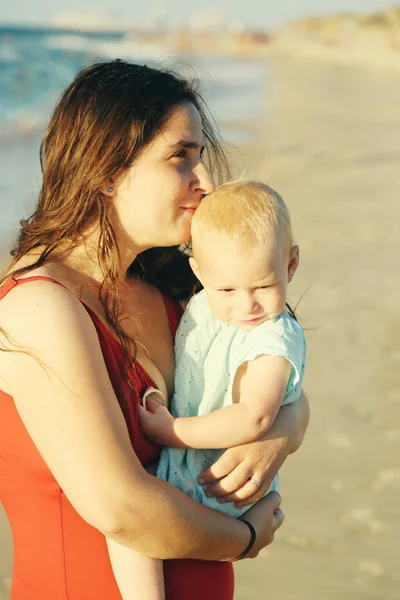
[109,190]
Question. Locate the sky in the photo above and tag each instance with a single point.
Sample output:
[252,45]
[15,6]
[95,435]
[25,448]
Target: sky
[255,13]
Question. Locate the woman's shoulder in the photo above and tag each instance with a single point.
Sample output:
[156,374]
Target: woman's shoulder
[42,319]
[36,294]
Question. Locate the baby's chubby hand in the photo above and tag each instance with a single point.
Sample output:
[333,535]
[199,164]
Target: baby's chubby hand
[157,423]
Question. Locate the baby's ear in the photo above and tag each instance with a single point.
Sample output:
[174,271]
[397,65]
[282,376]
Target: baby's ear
[294,260]
[195,268]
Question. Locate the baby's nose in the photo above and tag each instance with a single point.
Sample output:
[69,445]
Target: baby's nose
[251,304]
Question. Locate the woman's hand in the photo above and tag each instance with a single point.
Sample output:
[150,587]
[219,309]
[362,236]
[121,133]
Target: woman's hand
[266,517]
[231,476]
[258,460]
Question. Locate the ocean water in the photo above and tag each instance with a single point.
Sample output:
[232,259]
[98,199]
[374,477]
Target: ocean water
[36,65]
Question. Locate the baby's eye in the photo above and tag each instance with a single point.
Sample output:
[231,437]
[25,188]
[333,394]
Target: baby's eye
[227,290]
[264,287]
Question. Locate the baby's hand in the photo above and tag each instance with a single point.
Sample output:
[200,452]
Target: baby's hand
[157,423]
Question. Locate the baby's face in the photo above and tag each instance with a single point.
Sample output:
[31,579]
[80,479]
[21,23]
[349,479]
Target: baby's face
[244,288]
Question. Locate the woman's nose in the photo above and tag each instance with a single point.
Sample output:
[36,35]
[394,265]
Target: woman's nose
[204,181]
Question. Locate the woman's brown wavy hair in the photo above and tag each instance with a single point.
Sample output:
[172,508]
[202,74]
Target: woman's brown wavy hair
[104,119]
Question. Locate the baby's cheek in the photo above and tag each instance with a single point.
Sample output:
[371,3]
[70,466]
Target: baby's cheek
[280,300]
[214,306]
[223,313]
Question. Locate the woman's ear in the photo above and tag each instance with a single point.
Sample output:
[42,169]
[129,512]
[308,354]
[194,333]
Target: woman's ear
[112,183]
[195,268]
[294,260]
[109,187]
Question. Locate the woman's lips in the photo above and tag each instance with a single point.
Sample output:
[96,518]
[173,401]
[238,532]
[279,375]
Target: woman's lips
[191,209]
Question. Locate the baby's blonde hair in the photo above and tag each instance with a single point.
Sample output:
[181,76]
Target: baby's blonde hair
[249,213]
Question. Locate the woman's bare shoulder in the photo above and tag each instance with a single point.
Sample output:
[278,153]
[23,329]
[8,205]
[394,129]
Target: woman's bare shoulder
[44,298]
[48,321]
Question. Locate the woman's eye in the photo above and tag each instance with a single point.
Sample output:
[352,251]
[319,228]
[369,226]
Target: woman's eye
[181,154]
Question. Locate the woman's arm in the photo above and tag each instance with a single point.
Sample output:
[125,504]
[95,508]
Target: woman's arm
[69,408]
[260,460]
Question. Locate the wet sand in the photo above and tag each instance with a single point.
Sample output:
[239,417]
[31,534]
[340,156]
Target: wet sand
[328,140]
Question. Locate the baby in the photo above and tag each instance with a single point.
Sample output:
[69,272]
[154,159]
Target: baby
[240,353]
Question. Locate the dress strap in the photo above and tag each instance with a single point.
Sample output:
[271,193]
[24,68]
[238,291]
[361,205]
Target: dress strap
[174,313]
[12,283]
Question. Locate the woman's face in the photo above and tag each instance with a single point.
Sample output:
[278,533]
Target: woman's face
[157,197]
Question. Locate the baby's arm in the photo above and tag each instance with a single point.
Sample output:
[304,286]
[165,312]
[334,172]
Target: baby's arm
[138,577]
[258,390]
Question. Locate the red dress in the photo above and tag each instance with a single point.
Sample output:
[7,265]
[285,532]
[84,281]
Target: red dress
[57,555]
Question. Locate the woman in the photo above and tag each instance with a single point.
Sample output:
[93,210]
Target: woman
[123,173]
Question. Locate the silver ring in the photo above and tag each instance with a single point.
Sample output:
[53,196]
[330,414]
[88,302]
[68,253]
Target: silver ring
[256,482]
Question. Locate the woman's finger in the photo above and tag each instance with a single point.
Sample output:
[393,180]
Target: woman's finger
[231,482]
[252,499]
[224,465]
[247,494]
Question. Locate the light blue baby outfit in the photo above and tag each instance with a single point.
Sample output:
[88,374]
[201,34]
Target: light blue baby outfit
[208,354]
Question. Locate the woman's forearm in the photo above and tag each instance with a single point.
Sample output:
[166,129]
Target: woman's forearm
[299,415]
[165,523]
[291,424]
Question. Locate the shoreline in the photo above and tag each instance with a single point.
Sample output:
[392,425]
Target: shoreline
[350,56]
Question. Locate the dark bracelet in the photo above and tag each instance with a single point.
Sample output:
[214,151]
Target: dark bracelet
[250,544]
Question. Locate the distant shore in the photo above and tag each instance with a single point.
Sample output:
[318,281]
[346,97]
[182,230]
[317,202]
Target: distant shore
[364,52]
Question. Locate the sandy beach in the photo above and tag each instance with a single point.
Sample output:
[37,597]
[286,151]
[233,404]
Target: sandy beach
[328,140]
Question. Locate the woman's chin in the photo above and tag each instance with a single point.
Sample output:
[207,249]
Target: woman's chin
[181,241]
[180,235]
[184,238]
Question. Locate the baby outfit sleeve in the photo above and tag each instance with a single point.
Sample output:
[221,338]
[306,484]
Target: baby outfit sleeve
[282,336]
